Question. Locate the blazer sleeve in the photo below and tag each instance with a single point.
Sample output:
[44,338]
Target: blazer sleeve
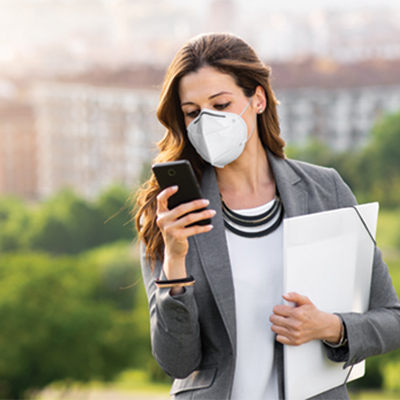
[377,330]
[175,331]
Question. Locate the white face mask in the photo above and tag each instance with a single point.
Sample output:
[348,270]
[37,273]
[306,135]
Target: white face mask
[219,137]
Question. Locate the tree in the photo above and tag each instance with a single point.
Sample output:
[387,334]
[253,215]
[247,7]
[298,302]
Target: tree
[118,268]
[381,161]
[66,223]
[55,325]
[14,222]
[115,210]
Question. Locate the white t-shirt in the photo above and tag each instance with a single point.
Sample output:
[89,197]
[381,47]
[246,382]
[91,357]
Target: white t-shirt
[257,268]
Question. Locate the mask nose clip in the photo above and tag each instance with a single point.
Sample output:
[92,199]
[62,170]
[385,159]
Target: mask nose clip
[207,112]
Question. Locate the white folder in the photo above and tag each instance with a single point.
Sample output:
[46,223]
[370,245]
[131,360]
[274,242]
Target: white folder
[328,257]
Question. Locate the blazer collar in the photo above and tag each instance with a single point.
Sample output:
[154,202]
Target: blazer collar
[212,246]
[289,185]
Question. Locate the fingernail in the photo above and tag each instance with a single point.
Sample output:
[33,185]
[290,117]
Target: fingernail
[206,202]
[175,187]
[212,212]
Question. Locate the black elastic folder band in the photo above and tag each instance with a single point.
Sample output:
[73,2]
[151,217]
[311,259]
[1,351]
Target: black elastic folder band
[365,225]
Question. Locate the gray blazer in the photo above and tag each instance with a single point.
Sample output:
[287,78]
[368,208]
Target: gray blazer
[194,334]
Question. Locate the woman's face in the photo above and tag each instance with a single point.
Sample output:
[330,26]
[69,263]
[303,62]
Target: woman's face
[214,90]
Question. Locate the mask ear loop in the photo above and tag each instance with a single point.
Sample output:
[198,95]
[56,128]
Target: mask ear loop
[251,98]
[254,125]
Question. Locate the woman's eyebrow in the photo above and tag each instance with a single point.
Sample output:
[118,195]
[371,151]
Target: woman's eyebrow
[187,103]
[218,94]
[210,98]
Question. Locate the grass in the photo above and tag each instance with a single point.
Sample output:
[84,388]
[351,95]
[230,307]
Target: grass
[374,395]
[388,232]
[388,239]
[139,381]
[134,383]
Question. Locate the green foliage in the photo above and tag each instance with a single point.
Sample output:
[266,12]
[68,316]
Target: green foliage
[391,372]
[58,327]
[388,230]
[379,162]
[65,223]
[373,378]
[123,286]
[14,221]
[118,269]
[114,207]
[386,145]
[77,317]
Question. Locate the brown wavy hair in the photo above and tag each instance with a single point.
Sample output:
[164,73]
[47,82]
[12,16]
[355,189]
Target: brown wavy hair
[228,54]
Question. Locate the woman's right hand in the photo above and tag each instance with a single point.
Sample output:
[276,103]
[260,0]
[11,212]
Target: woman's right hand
[175,230]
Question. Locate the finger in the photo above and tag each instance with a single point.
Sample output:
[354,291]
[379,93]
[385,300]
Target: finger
[181,233]
[180,228]
[288,341]
[189,207]
[287,335]
[163,196]
[282,339]
[284,311]
[280,330]
[283,335]
[286,323]
[297,298]
[197,229]
[283,331]
[276,320]
[194,217]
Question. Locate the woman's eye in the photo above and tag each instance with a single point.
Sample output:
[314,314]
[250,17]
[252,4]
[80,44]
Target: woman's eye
[222,106]
[192,114]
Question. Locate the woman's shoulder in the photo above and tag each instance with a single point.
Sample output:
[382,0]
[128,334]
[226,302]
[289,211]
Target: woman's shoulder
[310,170]
[325,179]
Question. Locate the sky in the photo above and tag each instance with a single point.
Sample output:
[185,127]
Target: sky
[301,6]
[308,5]
[279,5]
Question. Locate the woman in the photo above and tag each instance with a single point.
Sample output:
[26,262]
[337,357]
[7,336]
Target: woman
[215,291]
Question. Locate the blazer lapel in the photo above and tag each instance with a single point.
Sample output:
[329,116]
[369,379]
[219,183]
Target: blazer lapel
[214,256]
[289,185]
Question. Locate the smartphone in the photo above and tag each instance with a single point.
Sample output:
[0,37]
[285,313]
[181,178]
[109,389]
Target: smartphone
[179,173]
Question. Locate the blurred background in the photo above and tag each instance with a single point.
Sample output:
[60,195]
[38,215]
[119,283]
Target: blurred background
[79,87]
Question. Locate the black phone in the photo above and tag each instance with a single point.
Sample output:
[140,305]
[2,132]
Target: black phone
[179,173]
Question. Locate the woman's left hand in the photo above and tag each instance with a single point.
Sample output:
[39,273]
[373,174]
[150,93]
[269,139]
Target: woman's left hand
[303,322]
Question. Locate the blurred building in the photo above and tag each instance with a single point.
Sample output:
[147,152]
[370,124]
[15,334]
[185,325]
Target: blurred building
[340,118]
[90,137]
[91,130]
[17,144]
[337,104]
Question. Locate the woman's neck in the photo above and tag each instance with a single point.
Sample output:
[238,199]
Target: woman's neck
[247,182]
